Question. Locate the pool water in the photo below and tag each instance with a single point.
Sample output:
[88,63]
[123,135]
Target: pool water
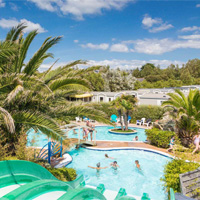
[127,176]
[39,139]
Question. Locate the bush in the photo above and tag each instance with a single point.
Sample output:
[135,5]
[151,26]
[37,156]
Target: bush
[148,112]
[172,171]
[159,138]
[63,174]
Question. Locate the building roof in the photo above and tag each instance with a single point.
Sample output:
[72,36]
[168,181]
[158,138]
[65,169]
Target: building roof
[154,96]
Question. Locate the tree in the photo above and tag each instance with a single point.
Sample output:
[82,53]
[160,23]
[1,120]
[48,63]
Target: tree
[193,66]
[37,100]
[124,104]
[186,77]
[186,111]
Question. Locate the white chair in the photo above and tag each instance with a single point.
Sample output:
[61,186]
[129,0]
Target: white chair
[147,123]
[78,119]
[138,122]
[143,121]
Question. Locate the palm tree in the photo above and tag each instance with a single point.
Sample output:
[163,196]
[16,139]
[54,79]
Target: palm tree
[37,100]
[186,111]
[125,105]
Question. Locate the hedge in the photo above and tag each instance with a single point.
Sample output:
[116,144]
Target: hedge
[172,171]
[63,174]
[148,112]
[158,137]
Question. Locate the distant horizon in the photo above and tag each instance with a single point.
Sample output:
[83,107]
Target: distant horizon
[122,34]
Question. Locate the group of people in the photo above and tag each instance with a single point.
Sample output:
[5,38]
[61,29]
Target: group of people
[87,130]
[196,140]
[114,164]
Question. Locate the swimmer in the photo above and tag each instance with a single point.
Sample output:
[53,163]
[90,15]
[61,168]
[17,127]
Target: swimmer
[106,156]
[136,138]
[74,131]
[137,164]
[114,165]
[98,167]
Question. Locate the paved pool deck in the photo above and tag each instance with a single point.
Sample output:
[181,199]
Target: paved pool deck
[124,144]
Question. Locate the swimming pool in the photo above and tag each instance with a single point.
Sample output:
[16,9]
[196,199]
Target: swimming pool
[39,139]
[127,176]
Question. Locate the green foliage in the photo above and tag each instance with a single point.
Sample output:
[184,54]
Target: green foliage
[186,111]
[148,112]
[107,108]
[172,76]
[125,106]
[96,81]
[159,137]
[172,171]
[64,174]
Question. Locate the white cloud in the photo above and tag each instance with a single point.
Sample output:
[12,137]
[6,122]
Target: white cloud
[132,64]
[198,5]
[155,25]
[148,22]
[190,28]
[2,4]
[76,41]
[162,27]
[14,6]
[190,37]
[157,47]
[9,23]
[119,48]
[102,46]
[79,8]
[116,63]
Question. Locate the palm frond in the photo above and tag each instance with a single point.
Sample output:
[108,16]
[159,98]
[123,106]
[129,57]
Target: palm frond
[14,93]
[8,120]
[24,49]
[14,33]
[60,71]
[67,83]
[40,121]
[40,55]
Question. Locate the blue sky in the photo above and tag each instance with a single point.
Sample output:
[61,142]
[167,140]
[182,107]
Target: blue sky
[119,33]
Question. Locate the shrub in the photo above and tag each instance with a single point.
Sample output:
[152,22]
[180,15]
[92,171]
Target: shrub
[172,171]
[148,112]
[159,138]
[63,174]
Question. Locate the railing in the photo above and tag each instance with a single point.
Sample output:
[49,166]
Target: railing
[49,150]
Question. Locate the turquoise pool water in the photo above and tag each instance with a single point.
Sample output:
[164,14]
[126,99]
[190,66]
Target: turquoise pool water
[127,176]
[39,139]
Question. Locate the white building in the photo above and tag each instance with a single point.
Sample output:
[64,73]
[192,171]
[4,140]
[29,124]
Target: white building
[144,96]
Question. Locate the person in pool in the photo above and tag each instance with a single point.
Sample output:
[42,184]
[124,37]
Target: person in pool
[106,156]
[98,167]
[114,165]
[171,144]
[135,138]
[137,164]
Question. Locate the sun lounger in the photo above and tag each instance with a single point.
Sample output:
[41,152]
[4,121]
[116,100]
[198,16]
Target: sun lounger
[147,123]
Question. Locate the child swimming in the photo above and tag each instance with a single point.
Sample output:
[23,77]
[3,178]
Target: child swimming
[114,165]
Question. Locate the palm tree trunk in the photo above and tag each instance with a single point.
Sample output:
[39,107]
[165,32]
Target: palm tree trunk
[121,121]
[126,120]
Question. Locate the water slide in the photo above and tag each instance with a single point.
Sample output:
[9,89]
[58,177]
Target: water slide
[21,180]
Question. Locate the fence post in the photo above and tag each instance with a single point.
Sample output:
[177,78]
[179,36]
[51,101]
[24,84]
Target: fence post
[61,148]
[49,152]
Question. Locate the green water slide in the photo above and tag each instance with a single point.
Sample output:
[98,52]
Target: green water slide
[20,180]
[33,180]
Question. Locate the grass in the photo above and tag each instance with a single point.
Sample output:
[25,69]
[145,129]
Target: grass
[120,131]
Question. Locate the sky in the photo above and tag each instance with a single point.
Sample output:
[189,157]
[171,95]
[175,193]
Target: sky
[120,33]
